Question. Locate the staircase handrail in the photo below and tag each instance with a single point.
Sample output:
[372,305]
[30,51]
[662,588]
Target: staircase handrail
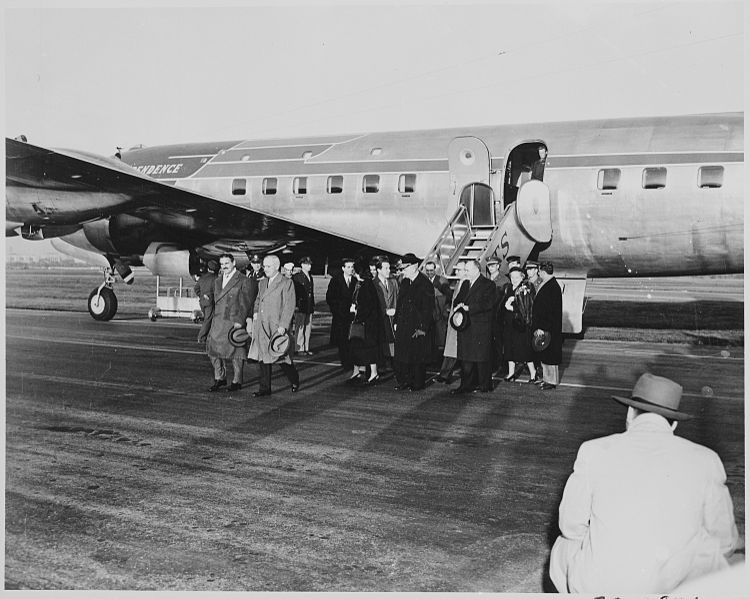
[449,229]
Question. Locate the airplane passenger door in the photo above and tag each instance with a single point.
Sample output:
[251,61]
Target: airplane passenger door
[468,163]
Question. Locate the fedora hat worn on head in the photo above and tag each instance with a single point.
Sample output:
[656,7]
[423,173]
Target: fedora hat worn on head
[278,346]
[238,337]
[410,259]
[656,394]
[460,319]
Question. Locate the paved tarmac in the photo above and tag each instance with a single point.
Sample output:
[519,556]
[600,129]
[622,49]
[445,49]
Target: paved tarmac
[123,472]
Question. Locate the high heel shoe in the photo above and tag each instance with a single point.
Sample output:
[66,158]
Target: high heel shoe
[512,377]
[355,378]
[373,380]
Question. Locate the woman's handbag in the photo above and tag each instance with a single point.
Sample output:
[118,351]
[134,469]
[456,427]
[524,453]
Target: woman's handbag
[357,331]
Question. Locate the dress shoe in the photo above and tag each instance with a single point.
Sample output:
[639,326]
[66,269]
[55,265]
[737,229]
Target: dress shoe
[234,387]
[483,390]
[412,388]
[295,388]
[218,385]
[402,386]
[459,391]
[261,393]
[547,386]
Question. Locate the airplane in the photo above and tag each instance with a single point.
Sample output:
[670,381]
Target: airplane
[625,197]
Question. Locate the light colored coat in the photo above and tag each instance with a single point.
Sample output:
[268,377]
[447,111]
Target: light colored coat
[274,308]
[643,511]
[231,306]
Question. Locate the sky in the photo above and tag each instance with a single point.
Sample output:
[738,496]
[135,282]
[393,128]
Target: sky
[96,78]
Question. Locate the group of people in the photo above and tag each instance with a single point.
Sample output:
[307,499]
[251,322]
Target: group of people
[399,318]
[261,308]
[411,318]
[644,511]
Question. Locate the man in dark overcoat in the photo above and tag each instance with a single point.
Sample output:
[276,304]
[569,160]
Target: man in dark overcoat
[339,299]
[479,298]
[304,288]
[204,291]
[234,295]
[443,295]
[501,282]
[414,326]
[547,316]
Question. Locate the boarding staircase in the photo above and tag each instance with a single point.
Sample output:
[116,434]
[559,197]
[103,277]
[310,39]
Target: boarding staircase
[522,225]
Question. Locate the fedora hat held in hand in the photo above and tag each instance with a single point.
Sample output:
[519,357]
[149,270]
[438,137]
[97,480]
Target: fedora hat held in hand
[238,336]
[279,344]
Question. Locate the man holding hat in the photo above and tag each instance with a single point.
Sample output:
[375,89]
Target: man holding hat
[413,326]
[546,319]
[272,319]
[477,296]
[643,510]
[232,299]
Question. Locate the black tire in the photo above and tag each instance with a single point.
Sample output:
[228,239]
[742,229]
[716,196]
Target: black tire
[106,306]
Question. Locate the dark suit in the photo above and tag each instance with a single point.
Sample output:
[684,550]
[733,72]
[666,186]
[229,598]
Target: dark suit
[414,312]
[475,342]
[204,291]
[339,300]
[443,294]
[304,288]
[547,315]
[387,298]
[501,282]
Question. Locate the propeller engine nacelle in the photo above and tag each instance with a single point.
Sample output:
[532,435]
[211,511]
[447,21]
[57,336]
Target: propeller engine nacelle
[167,259]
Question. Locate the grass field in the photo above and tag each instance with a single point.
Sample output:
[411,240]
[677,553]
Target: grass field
[705,322]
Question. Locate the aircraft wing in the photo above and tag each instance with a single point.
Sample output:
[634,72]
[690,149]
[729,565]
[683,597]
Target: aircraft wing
[198,218]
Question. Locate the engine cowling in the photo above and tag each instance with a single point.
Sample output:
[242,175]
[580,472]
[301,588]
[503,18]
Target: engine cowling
[167,259]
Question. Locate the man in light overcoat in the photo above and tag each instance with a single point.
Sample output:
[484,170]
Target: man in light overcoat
[233,295]
[643,510]
[273,313]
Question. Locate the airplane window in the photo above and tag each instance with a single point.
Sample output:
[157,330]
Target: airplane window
[608,178]
[239,187]
[376,151]
[335,184]
[710,177]
[371,183]
[407,183]
[269,186]
[299,185]
[306,155]
[654,178]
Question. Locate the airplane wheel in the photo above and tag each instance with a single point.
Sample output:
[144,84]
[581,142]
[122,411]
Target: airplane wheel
[102,304]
